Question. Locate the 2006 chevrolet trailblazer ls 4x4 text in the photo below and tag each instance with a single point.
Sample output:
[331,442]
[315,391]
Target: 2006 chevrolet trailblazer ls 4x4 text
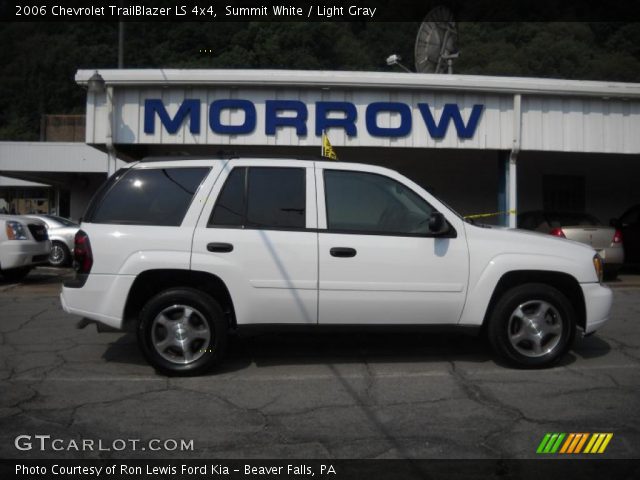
[184,251]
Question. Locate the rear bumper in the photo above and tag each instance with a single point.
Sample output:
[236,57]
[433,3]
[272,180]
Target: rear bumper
[102,298]
[598,299]
[23,253]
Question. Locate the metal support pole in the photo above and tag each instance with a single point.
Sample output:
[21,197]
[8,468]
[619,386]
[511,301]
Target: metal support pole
[512,201]
[111,151]
[503,187]
[512,175]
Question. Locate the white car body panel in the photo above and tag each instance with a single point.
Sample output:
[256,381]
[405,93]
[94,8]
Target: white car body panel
[101,299]
[497,251]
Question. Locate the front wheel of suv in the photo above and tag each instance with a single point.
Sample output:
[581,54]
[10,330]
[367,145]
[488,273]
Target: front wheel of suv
[182,331]
[532,325]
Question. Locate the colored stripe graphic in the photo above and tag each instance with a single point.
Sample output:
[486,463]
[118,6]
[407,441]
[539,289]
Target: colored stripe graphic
[573,443]
[594,437]
[607,439]
[598,442]
[550,443]
[543,443]
[556,446]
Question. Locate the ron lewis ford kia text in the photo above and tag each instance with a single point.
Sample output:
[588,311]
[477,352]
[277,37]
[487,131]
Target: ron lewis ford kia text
[184,251]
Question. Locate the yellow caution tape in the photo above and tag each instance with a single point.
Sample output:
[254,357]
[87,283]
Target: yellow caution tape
[483,215]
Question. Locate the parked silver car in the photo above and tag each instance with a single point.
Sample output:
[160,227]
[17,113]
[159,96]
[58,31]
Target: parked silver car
[583,228]
[61,233]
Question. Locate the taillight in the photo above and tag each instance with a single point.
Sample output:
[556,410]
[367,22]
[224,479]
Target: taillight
[82,254]
[617,237]
[557,232]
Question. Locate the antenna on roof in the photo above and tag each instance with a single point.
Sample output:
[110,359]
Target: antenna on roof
[437,42]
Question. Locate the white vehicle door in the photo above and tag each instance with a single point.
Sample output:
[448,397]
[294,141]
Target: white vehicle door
[379,263]
[258,233]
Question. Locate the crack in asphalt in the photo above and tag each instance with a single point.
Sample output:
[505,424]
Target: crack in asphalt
[623,347]
[483,397]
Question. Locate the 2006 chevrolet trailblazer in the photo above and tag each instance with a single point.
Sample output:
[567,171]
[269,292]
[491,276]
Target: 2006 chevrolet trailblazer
[184,251]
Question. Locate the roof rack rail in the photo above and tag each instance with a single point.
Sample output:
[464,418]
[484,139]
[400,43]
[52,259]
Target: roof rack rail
[230,155]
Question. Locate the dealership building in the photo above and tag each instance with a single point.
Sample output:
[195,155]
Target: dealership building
[485,145]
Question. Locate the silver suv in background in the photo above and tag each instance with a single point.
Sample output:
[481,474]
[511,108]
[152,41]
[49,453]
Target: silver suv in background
[24,244]
[61,233]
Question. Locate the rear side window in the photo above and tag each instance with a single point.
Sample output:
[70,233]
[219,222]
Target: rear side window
[262,197]
[155,196]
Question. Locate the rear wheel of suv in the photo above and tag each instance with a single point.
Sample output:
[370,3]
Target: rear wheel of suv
[532,325]
[182,331]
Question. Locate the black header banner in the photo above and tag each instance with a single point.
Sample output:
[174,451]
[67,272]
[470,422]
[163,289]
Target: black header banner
[581,468]
[314,10]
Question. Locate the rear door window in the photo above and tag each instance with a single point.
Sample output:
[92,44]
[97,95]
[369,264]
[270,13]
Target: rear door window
[276,198]
[262,198]
[153,196]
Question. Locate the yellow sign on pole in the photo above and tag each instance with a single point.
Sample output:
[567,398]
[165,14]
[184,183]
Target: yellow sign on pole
[327,150]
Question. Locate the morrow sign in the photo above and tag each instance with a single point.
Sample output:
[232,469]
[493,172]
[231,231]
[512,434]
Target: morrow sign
[294,114]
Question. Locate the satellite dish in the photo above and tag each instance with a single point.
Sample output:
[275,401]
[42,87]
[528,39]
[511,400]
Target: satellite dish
[436,42]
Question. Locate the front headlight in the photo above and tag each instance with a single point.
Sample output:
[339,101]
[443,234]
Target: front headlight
[597,264]
[16,231]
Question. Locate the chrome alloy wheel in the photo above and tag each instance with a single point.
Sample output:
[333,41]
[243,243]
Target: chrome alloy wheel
[57,255]
[180,334]
[535,328]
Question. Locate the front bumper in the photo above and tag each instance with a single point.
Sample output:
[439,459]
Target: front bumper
[23,253]
[598,299]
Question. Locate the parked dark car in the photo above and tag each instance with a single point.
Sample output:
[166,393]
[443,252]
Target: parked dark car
[583,228]
[629,225]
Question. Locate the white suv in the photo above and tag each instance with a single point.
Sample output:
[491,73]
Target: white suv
[24,244]
[184,251]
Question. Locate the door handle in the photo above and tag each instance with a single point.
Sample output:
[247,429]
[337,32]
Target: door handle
[219,247]
[343,252]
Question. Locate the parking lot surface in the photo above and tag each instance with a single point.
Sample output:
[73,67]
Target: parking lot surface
[309,396]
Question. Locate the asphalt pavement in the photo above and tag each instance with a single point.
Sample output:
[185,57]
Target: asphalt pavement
[306,396]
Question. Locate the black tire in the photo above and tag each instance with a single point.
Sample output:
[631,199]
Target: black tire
[60,255]
[525,338]
[16,274]
[173,304]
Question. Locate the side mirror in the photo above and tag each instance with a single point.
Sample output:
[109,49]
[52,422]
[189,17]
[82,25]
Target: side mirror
[437,224]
